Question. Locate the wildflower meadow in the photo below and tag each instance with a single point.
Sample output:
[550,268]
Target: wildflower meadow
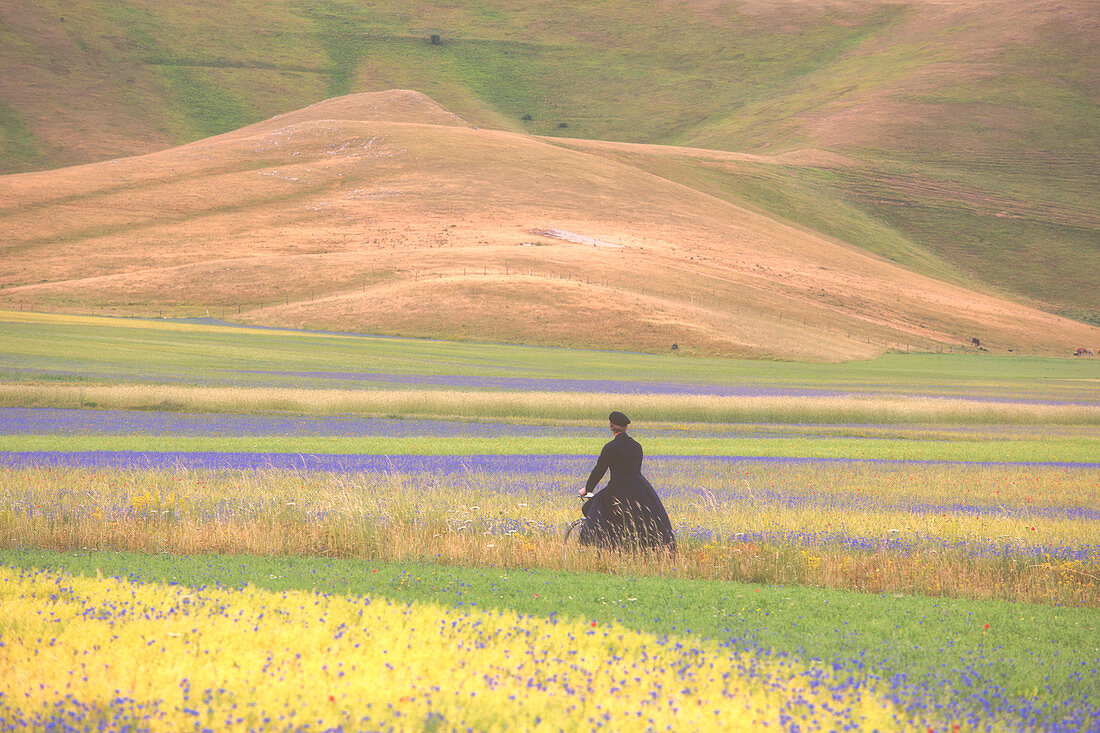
[908,546]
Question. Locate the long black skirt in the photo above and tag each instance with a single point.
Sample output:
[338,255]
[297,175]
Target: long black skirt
[627,515]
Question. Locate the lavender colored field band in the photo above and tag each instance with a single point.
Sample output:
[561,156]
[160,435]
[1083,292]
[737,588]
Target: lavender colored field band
[350,463]
[63,421]
[69,421]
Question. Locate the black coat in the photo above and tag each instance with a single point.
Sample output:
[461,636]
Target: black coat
[627,512]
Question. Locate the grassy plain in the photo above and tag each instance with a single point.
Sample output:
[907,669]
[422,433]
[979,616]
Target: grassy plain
[255,660]
[91,351]
[892,577]
[1014,532]
[998,449]
[955,592]
[1024,649]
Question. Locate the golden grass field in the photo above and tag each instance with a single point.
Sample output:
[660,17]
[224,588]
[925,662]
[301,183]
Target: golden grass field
[384,213]
[542,406]
[477,519]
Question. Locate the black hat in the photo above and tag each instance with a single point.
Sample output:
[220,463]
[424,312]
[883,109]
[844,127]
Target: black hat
[618,418]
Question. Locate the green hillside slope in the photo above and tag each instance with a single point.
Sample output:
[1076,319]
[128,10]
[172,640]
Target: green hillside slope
[975,124]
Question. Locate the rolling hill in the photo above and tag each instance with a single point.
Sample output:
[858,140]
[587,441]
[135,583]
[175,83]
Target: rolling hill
[970,128]
[385,213]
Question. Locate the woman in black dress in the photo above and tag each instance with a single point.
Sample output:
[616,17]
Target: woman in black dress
[627,513]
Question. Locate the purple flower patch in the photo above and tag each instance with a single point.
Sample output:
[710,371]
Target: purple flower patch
[56,421]
[442,464]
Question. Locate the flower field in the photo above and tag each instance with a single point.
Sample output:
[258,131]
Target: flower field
[92,654]
[1026,533]
[987,531]
[327,533]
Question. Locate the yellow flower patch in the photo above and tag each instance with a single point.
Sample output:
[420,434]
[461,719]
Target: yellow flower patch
[89,652]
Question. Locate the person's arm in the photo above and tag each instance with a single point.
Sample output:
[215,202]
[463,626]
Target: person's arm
[602,464]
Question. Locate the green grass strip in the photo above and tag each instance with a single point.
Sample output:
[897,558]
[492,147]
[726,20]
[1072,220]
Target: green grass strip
[1043,652]
[125,348]
[1072,450]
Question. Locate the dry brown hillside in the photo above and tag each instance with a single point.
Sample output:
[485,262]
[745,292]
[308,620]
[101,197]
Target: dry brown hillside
[384,213]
